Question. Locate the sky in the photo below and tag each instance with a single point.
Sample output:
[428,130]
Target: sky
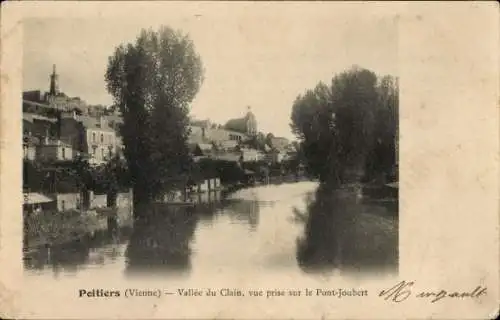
[260,55]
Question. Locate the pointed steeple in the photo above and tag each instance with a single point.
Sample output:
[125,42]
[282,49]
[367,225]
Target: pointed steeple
[54,82]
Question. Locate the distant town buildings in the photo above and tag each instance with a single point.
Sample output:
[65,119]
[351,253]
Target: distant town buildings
[246,125]
[204,132]
[57,127]
[54,150]
[29,148]
[58,100]
[249,154]
[90,135]
[280,143]
[231,141]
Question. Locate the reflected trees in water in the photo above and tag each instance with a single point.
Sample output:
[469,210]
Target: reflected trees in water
[161,243]
[71,256]
[246,211]
[343,233]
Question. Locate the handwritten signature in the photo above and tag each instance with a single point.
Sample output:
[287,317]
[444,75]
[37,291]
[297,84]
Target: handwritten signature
[403,290]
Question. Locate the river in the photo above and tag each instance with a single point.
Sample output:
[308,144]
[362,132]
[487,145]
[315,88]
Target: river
[276,228]
[275,236]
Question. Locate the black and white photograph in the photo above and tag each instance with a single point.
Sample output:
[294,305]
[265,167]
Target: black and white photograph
[188,151]
[162,151]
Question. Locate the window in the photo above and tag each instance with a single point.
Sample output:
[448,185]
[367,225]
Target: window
[93,136]
[63,205]
[93,150]
[102,138]
[63,153]
[102,153]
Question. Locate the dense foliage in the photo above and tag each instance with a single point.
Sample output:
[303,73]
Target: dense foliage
[76,176]
[347,129]
[152,81]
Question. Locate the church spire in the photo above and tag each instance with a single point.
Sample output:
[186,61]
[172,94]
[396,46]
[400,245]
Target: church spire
[54,82]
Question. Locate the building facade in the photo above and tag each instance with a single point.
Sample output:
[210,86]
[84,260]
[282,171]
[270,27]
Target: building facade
[70,125]
[54,98]
[39,126]
[68,201]
[54,150]
[206,132]
[89,135]
[280,143]
[275,156]
[249,155]
[29,148]
[100,140]
[246,125]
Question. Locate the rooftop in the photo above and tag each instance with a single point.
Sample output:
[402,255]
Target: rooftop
[30,117]
[94,123]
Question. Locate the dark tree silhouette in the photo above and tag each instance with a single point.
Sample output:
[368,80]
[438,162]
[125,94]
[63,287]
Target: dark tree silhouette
[153,81]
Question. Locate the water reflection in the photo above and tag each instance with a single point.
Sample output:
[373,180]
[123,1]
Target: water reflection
[243,212]
[291,229]
[70,257]
[345,233]
[161,243]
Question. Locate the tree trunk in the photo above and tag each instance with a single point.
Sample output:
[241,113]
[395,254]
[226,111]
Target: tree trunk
[141,200]
[111,199]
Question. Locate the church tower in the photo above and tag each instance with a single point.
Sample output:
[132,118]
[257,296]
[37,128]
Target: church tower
[251,123]
[54,82]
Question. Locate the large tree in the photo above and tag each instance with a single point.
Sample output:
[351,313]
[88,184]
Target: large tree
[153,80]
[382,157]
[347,129]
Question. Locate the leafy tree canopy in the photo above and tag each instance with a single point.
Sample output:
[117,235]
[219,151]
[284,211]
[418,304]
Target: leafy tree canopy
[349,126]
[152,81]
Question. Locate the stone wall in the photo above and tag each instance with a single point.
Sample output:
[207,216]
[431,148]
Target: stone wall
[67,201]
[98,200]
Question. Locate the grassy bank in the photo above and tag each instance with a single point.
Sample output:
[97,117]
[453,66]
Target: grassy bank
[51,228]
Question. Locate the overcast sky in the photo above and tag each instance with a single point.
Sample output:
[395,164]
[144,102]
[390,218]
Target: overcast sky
[260,55]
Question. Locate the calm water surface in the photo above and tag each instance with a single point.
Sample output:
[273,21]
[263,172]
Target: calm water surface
[290,229]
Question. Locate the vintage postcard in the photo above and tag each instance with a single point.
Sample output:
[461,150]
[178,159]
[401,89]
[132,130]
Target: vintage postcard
[249,160]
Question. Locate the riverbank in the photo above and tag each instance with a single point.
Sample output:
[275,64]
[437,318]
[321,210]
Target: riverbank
[52,228]
[56,228]
[252,228]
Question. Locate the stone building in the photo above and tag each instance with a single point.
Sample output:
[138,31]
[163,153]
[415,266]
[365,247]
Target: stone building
[54,98]
[39,126]
[92,136]
[206,132]
[279,143]
[54,150]
[29,147]
[246,125]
